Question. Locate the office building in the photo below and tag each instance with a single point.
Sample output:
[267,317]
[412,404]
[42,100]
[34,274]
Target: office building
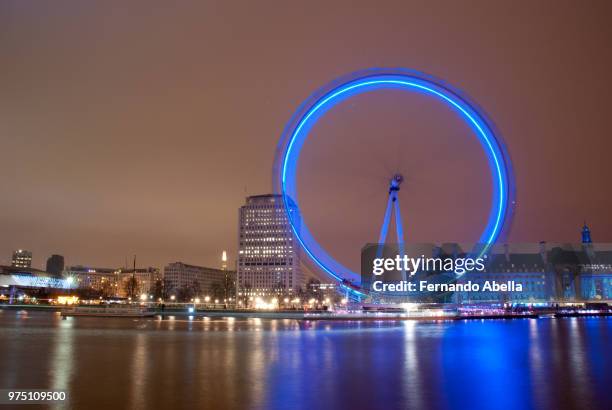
[102,280]
[22,259]
[113,282]
[268,254]
[145,282]
[197,281]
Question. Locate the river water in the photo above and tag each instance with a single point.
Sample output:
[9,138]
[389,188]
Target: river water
[285,364]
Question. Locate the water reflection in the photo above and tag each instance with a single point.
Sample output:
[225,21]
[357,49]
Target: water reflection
[413,387]
[537,369]
[259,363]
[139,372]
[62,362]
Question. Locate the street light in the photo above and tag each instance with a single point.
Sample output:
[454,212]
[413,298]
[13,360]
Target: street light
[172,297]
[207,299]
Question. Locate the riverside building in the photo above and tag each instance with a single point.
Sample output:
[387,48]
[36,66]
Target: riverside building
[268,254]
[200,280]
[113,282]
[552,273]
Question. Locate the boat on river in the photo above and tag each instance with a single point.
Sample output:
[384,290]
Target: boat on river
[108,311]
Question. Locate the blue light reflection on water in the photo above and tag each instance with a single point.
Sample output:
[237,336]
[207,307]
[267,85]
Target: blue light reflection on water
[520,364]
[281,364]
[482,363]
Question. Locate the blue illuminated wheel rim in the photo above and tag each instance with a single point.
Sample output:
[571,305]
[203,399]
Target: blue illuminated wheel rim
[297,130]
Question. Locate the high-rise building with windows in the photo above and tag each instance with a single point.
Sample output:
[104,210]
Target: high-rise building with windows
[22,259]
[268,254]
[55,264]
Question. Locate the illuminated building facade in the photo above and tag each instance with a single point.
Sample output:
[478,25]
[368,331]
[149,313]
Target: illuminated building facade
[103,280]
[268,254]
[530,270]
[145,280]
[550,274]
[22,259]
[202,280]
[112,282]
[322,291]
[12,277]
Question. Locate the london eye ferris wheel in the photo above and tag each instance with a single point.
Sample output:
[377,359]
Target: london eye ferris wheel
[318,104]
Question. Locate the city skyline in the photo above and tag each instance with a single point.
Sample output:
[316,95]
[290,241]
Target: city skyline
[52,261]
[222,263]
[141,147]
[344,204]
